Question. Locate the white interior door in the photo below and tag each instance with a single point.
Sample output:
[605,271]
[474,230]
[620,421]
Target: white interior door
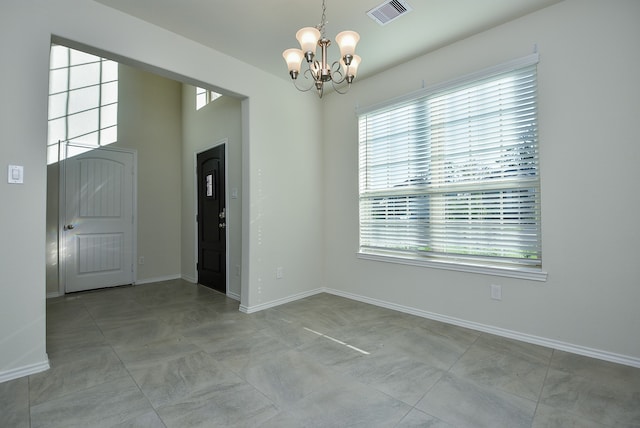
[99,221]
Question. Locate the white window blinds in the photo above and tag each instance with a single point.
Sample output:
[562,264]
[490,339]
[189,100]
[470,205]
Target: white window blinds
[453,172]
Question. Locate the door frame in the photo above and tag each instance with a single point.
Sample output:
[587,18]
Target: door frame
[223,142]
[62,198]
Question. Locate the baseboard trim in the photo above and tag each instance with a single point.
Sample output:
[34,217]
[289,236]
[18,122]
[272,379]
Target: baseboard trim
[158,279]
[24,371]
[233,296]
[511,334]
[189,279]
[278,302]
[523,337]
[53,295]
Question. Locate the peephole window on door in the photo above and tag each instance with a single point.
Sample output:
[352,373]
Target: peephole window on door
[210,186]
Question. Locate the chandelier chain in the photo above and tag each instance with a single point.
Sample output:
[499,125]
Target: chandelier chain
[323,20]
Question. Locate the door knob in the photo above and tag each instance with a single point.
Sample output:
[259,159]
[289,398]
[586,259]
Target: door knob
[222,225]
[69,227]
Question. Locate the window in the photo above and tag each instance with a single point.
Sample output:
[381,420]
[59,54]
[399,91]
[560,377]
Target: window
[449,177]
[204,97]
[83,99]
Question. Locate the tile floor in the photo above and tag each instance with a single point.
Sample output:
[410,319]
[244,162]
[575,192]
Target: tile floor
[173,354]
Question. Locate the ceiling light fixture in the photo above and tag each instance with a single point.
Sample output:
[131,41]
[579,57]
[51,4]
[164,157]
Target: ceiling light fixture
[341,71]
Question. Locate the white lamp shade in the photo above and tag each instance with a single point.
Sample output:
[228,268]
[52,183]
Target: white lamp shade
[347,41]
[308,38]
[293,57]
[352,70]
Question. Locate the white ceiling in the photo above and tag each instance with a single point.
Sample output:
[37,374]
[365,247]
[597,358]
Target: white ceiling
[257,31]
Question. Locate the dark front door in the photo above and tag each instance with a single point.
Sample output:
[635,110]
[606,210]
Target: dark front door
[212,258]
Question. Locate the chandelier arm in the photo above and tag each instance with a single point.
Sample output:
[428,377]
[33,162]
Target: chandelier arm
[335,87]
[337,70]
[302,89]
[342,78]
[308,72]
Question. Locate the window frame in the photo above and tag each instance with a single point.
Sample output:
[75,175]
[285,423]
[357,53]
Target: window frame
[499,266]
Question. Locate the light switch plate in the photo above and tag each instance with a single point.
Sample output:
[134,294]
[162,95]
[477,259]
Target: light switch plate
[15,174]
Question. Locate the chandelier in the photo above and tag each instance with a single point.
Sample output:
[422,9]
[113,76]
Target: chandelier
[318,71]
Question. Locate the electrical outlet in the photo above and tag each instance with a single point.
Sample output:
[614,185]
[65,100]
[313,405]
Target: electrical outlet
[141,260]
[279,272]
[496,292]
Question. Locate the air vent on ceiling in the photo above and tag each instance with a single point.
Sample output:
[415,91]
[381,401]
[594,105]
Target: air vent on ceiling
[389,11]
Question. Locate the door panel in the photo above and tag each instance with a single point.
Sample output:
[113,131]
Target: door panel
[212,257]
[100,252]
[98,220]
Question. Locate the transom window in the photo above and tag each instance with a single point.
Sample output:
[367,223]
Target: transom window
[83,99]
[205,96]
[451,174]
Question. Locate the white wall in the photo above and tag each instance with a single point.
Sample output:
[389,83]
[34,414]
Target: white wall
[589,102]
[281,148]
[202,129]
[23,127]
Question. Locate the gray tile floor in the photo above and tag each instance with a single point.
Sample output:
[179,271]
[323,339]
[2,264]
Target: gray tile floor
[173,354]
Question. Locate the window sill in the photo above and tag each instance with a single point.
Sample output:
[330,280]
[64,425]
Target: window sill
[532,274]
